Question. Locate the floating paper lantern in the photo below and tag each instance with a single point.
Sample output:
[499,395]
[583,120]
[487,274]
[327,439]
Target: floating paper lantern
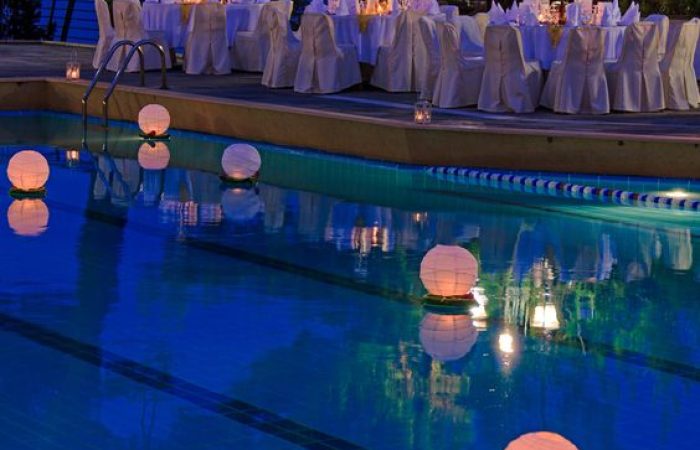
[28,171]
[28,217]
[541,440]
[241,205]
[154,156]
[447,337]
[240,162]
[154,120]
[448,271]
[545,317]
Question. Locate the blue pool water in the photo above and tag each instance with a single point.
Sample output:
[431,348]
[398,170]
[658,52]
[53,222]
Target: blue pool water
[166,310]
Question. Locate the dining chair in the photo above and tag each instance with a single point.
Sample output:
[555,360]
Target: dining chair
[459,80]
[510,83]
[662,24]
[577,83]
[206,50]
[106,33]
[634,81]
[324,66]
[249,49]
[394,69]
[283,57]
[128,25]
[677,71]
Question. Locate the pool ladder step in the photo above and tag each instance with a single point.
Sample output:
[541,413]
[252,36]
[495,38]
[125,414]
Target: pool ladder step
[136,47]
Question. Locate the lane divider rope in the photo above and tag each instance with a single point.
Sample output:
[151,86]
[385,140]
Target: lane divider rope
[536,185]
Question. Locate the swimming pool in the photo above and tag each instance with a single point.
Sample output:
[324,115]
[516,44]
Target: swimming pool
[166,310]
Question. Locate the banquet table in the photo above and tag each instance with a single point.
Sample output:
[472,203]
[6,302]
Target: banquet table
[171,19]
[367,33]
[538,43]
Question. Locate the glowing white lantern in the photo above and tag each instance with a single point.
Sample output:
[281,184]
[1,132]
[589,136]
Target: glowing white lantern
[154,156]
[545,317]
[240,162]
[154,120]
[448,271]
[28,171]
[541,440]
[241,205]
[447,337]
[505,343]
[28,217]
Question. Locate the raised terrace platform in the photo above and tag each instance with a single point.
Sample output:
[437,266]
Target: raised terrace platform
[366,122]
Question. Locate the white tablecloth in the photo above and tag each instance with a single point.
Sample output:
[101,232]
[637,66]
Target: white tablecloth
[379,31]
[537,44]
[168,18]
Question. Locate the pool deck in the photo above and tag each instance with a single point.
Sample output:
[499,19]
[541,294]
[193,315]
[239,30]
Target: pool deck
[367,122]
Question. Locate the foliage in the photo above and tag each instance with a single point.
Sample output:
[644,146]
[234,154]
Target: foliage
[674,8]
[19,19]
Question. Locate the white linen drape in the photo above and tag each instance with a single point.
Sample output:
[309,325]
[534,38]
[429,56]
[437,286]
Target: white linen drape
[324,67]
[635,79]
[677,71]
[509,84]
[206,50]
[128,25]
[577,83]
[106,31]
[283,57]
[459,80]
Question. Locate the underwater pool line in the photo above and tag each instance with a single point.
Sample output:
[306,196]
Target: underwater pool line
[233,409]
[554,188]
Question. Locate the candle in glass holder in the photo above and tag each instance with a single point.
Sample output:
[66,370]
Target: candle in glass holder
[72,70]
[423,112]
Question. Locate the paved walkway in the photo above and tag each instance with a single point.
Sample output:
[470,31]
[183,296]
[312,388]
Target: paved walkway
[20,60]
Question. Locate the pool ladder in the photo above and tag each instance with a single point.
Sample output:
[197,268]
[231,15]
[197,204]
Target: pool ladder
[136,47]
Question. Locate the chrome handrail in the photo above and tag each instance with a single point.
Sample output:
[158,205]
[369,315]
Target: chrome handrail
[102,68]
[125,62]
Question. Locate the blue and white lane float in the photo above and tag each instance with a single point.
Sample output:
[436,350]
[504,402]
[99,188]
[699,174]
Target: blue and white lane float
[536,185]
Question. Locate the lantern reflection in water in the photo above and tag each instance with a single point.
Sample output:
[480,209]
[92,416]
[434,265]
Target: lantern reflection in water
[153,157]
[447,337]
[545,317]
[541,440]
[241,205]
[28,217]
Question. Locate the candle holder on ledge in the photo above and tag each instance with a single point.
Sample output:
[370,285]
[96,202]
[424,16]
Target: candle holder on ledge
[423,112]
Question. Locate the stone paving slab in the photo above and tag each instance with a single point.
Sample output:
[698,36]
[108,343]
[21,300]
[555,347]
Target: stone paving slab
[36,59]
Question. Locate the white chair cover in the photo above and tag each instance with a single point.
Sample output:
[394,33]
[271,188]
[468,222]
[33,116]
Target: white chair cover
[696,63]
[206,50]
[662,25]
[428,53]
[450,11]
[577,83]
[128,25]
[634,80]
[677,71]
[459,80]
[106,33]
[394,69]
[573,15]
[482,20]
[283,57]
[510,84]
[471,40]
[324,66]
[250,48]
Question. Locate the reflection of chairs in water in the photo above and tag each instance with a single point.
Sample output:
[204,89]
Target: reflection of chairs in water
[119,179]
